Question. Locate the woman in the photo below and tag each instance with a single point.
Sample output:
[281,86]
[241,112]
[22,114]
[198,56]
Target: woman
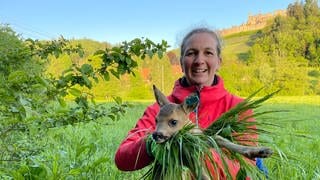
[200,59]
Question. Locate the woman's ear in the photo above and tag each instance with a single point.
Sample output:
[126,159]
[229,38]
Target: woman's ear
[181,65]
[219,63]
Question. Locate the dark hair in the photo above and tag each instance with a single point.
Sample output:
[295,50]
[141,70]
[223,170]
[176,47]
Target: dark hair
[214,34]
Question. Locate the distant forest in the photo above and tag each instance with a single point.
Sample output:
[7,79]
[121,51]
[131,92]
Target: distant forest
[284,54]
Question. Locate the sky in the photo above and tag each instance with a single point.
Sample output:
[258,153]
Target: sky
[123,20]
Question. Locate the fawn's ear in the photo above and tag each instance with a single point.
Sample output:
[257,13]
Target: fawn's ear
[160,97]
[190,103]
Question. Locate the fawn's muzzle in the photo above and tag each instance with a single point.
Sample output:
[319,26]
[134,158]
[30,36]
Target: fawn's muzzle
[159,137]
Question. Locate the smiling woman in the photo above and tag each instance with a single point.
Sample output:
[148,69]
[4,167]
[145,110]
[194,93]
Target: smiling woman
[200,56]
[200,59]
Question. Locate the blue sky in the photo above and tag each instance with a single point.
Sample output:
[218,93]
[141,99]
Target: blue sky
[119,20]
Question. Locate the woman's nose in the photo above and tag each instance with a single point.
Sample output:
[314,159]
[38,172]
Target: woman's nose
[200,58]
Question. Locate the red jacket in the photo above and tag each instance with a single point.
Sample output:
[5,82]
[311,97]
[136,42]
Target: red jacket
[214,101]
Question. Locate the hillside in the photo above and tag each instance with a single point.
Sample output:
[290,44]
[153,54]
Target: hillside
[254,22]
[239,78]
[237,44]
[259,53]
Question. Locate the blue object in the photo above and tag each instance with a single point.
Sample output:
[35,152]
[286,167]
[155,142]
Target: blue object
[261,167]
[191,100]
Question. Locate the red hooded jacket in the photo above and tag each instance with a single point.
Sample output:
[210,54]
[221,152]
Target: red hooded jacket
[214,101]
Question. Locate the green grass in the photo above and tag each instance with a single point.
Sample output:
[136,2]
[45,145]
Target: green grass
[303,117]
[315,100]
[106,138]
[298,137]
[86,151]
[237,43]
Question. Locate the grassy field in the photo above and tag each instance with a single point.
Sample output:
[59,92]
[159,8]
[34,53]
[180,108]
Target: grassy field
[236,44]
[85,144]
[302,118]
[297,136]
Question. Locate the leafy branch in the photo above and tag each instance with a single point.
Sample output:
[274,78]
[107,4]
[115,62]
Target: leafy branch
[32,102]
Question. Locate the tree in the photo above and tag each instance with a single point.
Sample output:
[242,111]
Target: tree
[311,8]
[30,99]
[296,10]
[295,37]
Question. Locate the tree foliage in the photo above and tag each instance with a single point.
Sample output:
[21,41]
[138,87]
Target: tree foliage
[32,103]
[290,45]
[295,36]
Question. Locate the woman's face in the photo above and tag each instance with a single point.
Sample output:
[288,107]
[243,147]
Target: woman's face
[200,60]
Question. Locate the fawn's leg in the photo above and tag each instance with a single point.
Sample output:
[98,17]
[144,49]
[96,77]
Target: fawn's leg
[248,151]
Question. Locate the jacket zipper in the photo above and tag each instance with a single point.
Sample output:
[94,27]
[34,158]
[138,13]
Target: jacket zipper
[196,110]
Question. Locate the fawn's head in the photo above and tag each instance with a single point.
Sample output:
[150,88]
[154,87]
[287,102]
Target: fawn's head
[171,117]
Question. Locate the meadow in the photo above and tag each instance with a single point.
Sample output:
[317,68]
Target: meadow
[87,150]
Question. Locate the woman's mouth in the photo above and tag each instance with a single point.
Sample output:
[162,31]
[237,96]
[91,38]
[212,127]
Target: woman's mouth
[199,70]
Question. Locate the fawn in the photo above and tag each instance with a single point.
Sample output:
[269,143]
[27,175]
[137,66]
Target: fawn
[172,117]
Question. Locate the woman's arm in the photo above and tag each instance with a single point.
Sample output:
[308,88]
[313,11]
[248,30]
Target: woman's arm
[132,154]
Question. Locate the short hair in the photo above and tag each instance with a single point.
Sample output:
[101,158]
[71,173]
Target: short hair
[214,34]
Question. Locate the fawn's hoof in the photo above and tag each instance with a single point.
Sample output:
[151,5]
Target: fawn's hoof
[265,152]
[258,152]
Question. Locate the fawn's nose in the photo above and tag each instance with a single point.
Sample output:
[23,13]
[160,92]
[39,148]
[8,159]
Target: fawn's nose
[158,136]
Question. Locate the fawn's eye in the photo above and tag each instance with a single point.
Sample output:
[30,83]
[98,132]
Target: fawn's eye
[173,122]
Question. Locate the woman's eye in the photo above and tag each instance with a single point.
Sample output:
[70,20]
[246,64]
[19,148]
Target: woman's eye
[191,53]
[210,53]
[173,123]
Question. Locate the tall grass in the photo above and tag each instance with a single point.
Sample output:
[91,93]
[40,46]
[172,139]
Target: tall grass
[302,117]
[299,138]
[105,138]
[86,151]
